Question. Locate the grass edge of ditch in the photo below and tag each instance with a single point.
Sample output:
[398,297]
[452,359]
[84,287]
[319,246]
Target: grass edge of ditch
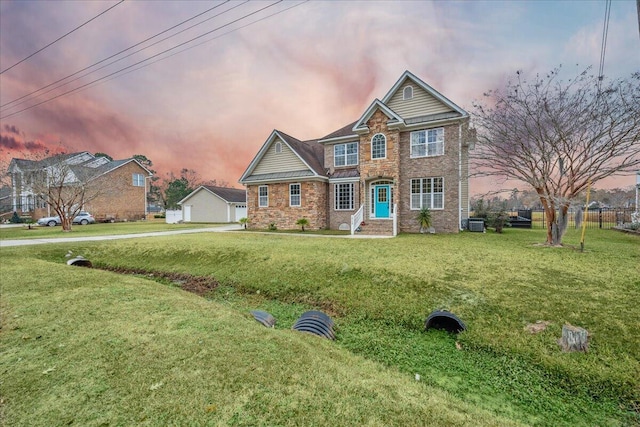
[561,379]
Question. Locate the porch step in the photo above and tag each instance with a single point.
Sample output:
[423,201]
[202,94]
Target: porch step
[377,228]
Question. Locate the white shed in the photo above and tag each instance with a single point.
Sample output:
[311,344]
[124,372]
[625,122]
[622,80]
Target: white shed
[214,204]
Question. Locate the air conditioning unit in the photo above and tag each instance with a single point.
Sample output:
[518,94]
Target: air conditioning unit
[476,224]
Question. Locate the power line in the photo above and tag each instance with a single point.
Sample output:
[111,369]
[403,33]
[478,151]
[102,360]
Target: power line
[211,39]
[603,48]
[139,62]
[122,51]
[61,37]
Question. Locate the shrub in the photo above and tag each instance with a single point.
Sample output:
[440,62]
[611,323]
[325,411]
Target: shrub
[15,218]
[302,222]
[424,219]
[499,219]
[273,227]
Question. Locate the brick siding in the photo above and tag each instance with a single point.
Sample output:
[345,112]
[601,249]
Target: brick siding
[446,166]
[118,198]
[313,206]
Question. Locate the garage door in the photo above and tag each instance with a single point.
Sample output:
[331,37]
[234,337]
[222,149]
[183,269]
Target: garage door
[241,211]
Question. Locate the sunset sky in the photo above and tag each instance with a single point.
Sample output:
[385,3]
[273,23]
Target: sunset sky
[306,71]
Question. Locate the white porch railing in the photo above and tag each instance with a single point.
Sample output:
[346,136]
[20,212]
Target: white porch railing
[356,219]
[395,220]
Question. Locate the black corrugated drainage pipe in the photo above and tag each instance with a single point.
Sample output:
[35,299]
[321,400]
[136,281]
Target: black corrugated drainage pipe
[443,319]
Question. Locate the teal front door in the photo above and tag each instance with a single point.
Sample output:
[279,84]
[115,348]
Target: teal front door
[383,200]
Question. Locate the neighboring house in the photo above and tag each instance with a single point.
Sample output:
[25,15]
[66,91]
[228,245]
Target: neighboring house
[118,187]
[406,151]
[214,204]
[6,210]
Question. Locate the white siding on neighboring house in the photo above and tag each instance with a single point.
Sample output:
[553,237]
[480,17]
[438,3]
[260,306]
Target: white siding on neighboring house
[421,104]
[284,161]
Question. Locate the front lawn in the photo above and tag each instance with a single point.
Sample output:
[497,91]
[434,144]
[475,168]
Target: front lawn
[379,292]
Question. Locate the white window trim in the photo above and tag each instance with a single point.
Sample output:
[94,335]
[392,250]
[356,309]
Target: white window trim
[299,195]
[335,196]
[260,204]
[426,143]
[372,214]
[404,93]
[136,182]
[346,155]
[278,147]
[411,207]
[385,147]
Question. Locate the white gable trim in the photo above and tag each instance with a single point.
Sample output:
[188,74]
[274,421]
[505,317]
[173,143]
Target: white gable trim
[361,125]
[426,87]
[197,190]
[256,160]
[119,166]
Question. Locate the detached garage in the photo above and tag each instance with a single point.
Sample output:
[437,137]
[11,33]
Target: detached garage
[214,204]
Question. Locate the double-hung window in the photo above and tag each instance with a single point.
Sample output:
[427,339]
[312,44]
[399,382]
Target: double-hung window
[345,154]
[378,146]
[263,196]
[427,193]
[294,194]
[427,143]
[138,180]
[344,196]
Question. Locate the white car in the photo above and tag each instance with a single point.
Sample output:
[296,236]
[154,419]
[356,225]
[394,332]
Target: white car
[82,218]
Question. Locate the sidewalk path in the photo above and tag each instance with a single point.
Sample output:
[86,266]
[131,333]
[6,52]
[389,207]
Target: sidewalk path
[26,242]
[231,227]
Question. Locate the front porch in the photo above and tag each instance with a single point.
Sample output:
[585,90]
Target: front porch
[375,226]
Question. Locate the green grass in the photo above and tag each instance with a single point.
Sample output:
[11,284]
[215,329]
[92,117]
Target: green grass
[98,229]
[380,292]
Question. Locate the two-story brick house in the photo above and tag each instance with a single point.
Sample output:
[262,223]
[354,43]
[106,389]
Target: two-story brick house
[407,151]
[116,189]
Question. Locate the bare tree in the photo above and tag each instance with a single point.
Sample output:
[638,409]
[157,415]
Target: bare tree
[64,182]
[559,136]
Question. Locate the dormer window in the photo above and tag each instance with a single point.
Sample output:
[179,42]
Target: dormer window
[278,147]
[407,93]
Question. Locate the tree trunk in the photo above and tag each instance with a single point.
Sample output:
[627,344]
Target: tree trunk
[66,223]
[550,214]
[556,222]
[574,338]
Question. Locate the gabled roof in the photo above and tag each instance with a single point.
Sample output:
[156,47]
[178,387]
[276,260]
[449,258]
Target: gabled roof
[228,195]
[309,152]
[115,164]
[87,169]
[361,124]
[231,195]
[409,75]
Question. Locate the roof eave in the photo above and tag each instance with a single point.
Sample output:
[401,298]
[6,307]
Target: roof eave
[292,179]
[338,139]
